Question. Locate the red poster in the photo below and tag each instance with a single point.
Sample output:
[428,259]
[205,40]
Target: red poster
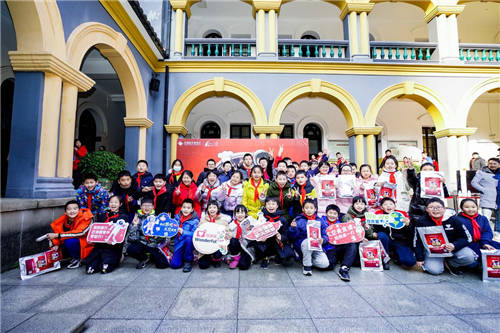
[194,153]
[436,243]
[493,266]
[263,231]
[109,233]
[314,235]
[345,233]
[40,263]
[371,256]
[327,188]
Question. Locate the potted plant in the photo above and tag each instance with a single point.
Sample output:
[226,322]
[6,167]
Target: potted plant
[104,165]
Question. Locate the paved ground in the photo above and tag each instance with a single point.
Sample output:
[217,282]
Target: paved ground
[223,300]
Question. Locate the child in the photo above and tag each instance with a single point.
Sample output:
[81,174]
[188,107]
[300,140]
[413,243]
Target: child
[458,236]
[92,195]
[246,166]
[174,176]
[346,188]
[393,177]
[204,191]
[280,166]
[186,190]
[210,168]
[290,173]
[267,167]
[478,226]
[282,189]
[398,241]
[358,211]
[142,247]
[70,232]
[276,245]
[212,215]
[183,245]
[345,252]
[126,187]
[161,196]
[303,190]
[316,181]
[230,193]
[367,181]
[304,165]
[254,192]
[143,177]
[106,257]
[298,234]
[242,254]
[227,171]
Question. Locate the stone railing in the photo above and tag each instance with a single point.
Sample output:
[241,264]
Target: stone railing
[402,51]
[479,53]
[313,48]
[219,47]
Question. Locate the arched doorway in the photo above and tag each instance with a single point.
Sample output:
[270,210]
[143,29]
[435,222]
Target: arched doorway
[7,98]
[87,130]
[313,133]
[210,130]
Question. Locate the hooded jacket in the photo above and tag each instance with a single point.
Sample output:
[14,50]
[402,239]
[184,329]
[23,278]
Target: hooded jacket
[96,200]
[77,229]
[188,228]
[185,192]
[487,183]
[230,197]
[286,203]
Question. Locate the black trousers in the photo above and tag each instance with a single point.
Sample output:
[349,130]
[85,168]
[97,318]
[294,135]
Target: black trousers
[140,252]
[103,254]
[345,252]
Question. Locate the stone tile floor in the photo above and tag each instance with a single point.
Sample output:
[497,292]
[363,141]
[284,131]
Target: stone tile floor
[222,300]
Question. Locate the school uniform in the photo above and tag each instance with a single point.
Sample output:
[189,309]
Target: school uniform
[456,233]
[185,193]
[205,260]
[183,243]
[251,195]
[345,252]
[480,229]
[96,199]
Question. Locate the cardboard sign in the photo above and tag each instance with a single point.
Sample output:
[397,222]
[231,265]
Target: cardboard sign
[39,263]
[431,185]
[263,231]
[160,226]
[209,238]
[326,187]
[345,233]
[194,153]
[491,265]
[388,190]
[346,185]
[109,233]
[370,195]
[370,254]
[314,235]
[434,240]
[393,220]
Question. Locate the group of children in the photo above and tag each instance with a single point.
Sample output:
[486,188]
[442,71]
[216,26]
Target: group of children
[268,191]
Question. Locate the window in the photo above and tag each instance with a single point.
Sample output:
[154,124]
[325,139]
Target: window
[430,142]
[210,130]
[287,132]
[313,133]
[240,131]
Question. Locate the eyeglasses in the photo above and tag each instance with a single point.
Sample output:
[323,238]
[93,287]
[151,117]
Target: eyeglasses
[435,208]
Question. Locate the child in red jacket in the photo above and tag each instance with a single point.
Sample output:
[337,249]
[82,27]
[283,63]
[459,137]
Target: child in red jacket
[186,190]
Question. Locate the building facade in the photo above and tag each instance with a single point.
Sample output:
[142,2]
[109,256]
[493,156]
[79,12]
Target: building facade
[354,76]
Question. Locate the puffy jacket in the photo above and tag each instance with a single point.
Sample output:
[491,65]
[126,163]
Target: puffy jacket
[299,233]
[98,198]
[188,228]
[248,199]
[77,229]
[133,191]
[144,179]
[245,172]
[185,192]
[286,204]
[205,192]
[162,199]
[486,232]
[418,204]
[229,195]
[485,182]
[352,214]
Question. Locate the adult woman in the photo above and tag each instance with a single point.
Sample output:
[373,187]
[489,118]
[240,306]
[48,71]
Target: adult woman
[79,151]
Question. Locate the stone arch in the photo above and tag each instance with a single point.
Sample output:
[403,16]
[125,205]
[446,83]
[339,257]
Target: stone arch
[472,95]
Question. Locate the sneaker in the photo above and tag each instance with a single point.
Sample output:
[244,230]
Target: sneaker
[452,270]
[142,264]
[234,263]
[344,274]
[386,266]
[265,263]
[187,267]
[75,263]
[307,271]
[105,269]
[90,270]
[217,263]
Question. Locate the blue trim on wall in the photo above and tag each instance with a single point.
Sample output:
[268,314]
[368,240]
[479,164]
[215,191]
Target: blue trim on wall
[352,148]
[132,147]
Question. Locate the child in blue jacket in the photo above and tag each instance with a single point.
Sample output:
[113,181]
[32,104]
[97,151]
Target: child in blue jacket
[183,244]
[91,195]
[478,226]
[143,177]
[298,234]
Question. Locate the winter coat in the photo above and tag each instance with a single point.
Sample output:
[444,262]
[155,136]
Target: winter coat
[133,191]
[402,189]
[203,175]
[418,204]
[136,234]
[162,199]
[188,228]
[77,229]
[299,233]
[185,192]
[230,197]
[248,199]
[204,193]
[285,202]
[477,164]
[456,233]
[403,236]
[109,216]
[98,198]
[173,179]
[224,177]
[487,184]
[78,155]
[365,182]
[272,245]
[245,172]
[297,201]
[486,232]
[143,179]
[246,245]
[352,214]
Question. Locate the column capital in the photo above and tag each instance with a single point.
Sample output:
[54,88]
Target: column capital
[455,132]
[266,5]
[268,129]
[363,131]
[184,5]
[49,63]
[142,122]
[176,129]
[448,10]
[357,7]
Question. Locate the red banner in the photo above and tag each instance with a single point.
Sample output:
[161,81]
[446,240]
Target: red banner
[194,153]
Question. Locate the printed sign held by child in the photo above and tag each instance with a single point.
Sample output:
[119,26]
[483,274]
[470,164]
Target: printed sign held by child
[109,233]
[435,240]
[209,238]
[388,190]
[431,184]
[491,265]
[263,231]
[346,185]
[327,187]
[393,220]
[39,263]
[370,254]
[314,235]
[345,233]
[160,226]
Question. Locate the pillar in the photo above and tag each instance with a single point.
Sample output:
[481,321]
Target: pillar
[371,151]
[174,131]
[443,30]
[135,139]
[67,130]
[360,149]
[266,26]
[357,137]
[181,12]
[356,29]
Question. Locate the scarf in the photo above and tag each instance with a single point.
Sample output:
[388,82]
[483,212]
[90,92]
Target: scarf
[392,177]
[230,189]
[68,224]
[173,176]
[89,201]
[475,226]
[248,171]
[139,174]
[239,232]
[310,218]
[182,220]
[209,193]
[256,189]
[272,219]
[108,217]
[334,222]
[187,190]
[212,219]
[157,194]
[437,221]
[302,192]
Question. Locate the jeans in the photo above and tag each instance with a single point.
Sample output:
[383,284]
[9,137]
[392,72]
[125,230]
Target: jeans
[72,247]
[140,252]
[402,251]
[463,257]
[313,258]
[345,251]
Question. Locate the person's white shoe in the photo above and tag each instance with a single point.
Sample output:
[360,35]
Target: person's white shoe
[75,263]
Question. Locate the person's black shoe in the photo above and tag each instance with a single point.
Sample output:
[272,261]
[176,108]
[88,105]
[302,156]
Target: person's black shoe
[142,264]
[265,263]
[386,266]
[344,274]
[452,270]
[216,263]
[187,267]
[307,270]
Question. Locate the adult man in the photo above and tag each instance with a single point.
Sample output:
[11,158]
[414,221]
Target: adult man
[210,166]
[487,181]
[388,153]
[476,162]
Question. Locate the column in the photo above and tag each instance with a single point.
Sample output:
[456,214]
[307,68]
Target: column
[443,30]
[360,149]
[182,11]
[135,139]
[356,29]
[272,130]
[371,152]
[266,26]
[67,130]
[174,131]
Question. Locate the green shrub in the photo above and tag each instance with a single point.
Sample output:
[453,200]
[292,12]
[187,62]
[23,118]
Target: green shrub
[103,164]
